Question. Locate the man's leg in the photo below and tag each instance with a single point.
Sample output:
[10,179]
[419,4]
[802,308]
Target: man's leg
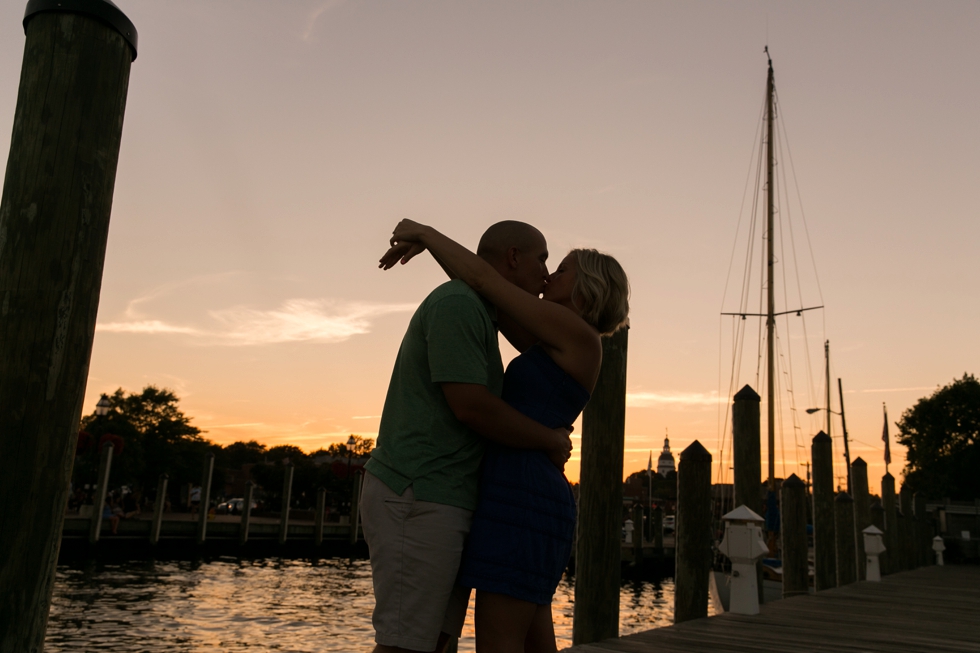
[415,549]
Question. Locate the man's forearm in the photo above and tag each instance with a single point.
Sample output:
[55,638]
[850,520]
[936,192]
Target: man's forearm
[494,419]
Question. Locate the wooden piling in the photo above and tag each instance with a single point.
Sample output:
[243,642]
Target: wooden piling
[287,497]
[101,490]
[846,549]
[597,552]
[923,534]
[747,458]
[246,512]
[878,515]
[54,223]
[355,507]
[658,531]
[792,499]
[862,510]
[207,473]
[321,506]
[889,559]
[906,529]
[638,537]
[158,507]
[824,539]
[693,534]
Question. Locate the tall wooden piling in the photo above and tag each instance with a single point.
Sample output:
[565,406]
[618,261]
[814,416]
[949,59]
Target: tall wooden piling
[54,223]
[792,499]
[824,539]
[906,529]
[207,473]
[846,549]
[747,458]
[862,510]
[287,498]
[878,515]
[889,560]
[923,534]
[246,513]
[158,507]
[658,530]
[692,533]
[321,506]
[355,507]
[597,552]
[101,491]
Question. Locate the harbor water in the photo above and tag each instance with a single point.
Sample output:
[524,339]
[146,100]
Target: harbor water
[269,604]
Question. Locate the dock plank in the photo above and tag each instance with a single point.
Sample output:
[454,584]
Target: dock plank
[922,611]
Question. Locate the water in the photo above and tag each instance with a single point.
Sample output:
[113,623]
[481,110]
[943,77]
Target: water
[260,605]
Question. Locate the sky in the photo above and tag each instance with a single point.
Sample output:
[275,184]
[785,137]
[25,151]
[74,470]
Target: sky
[269,149]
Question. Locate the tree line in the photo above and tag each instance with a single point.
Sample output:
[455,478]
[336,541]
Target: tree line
[151,435]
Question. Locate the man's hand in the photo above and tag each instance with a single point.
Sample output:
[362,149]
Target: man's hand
[562,451]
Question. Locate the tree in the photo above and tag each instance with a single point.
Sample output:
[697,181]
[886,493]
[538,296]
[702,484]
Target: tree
[362,447]
[942,434]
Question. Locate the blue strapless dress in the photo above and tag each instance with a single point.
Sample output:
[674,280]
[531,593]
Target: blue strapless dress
[524,524]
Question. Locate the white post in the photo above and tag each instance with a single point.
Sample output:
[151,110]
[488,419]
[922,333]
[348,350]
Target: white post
[629,531]
[873,547]
[938,547]
[744,545]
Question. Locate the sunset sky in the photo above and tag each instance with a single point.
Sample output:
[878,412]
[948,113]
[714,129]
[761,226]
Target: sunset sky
[269,148]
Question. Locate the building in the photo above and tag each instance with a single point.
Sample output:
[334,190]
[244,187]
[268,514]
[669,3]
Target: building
[665,464]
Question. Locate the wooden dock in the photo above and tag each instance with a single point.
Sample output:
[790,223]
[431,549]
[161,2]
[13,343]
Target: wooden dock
[926,610]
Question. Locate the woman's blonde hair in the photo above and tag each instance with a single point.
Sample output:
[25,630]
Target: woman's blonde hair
[601,290]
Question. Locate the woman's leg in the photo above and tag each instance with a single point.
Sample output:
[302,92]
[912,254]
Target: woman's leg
[502,622]
[541,635]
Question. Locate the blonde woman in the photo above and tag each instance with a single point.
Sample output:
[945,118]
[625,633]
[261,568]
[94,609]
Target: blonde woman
[522,530]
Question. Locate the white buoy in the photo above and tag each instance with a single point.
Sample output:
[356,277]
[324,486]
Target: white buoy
[873,547]
[629,531]
[938,547]
[744,545]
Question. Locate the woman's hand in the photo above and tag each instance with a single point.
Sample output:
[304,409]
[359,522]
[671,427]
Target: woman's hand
[406,244]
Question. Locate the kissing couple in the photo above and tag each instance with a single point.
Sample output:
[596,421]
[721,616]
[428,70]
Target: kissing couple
[466,488]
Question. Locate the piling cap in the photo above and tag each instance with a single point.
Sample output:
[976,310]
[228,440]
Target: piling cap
[858,462]
[695,451]
[873,530]
[747,394]
[743,513]
[821,437]
[843,497]
[103,10]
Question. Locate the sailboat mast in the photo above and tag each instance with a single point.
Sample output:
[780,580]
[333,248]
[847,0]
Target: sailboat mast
[770,318]
[826,356]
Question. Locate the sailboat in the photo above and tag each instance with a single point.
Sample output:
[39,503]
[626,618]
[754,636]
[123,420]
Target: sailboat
[771,204]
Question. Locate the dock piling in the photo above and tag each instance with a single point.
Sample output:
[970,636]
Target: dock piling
[747,457]
[101,490]
[824,540]
[598,555]
[862,508]
[55,208]
[846,547]
[889,561]
[658,531]
[692,533]
[287,497]
[158,507]
[246,512]
[206,475]
[793,533]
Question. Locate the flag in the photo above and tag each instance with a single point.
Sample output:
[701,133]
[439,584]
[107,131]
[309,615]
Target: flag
[884,436]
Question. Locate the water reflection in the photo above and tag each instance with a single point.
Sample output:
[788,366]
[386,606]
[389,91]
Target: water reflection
[259,605]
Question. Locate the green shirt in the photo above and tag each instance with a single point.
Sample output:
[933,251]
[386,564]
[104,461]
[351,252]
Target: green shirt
[451,339]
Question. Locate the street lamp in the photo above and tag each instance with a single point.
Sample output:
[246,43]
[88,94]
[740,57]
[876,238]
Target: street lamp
[103,406]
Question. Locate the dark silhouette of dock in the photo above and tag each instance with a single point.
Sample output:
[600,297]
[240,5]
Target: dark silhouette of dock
[926,610]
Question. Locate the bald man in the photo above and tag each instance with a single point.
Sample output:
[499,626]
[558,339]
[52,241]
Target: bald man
[443,403]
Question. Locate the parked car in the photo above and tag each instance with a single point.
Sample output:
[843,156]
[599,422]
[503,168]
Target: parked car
[234,506]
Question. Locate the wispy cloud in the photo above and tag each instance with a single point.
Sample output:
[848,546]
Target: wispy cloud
[680,399]
[918,389]
[315,14]
[296,320]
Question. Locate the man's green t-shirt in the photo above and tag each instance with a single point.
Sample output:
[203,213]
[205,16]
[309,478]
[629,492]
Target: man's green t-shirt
[451,339]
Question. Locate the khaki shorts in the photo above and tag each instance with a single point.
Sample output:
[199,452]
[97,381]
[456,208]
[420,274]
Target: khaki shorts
[415,549]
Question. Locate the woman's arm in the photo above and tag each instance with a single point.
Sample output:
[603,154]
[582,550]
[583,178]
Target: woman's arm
[554,325]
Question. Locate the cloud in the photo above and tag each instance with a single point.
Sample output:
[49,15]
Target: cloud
[919,389]
[680,399]
[315,14]
[296,320]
